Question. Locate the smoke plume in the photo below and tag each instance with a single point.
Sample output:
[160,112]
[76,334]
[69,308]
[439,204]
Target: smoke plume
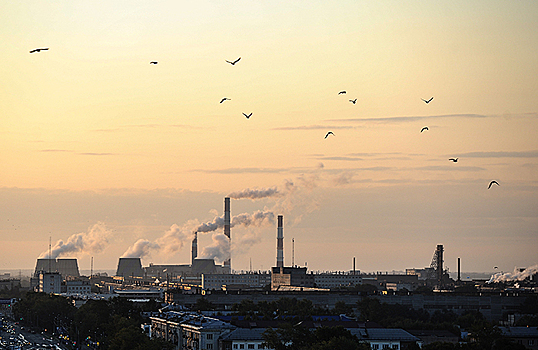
[515,276]
[218,250]
[91,242]
[255,193]
[140,249]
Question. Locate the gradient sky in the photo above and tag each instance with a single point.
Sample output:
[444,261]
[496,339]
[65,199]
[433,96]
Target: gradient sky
[99,146]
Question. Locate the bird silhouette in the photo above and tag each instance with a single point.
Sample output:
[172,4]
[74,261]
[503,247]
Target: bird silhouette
[226,98]
[424,128]
[234,62]
[39,50]
[427,101]
[153,62]
[248,115]
[491,184]
[455,160]
[342,92]
[353,101]
[329,133]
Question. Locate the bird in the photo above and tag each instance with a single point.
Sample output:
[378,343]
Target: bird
[234,62]
[353,101]
[424,128]
[224,99]
[491,184]
[329,133]
[153,62]
[342,92]
[39,50]
[455,160]
[248,115]
[495,267]
[427,101]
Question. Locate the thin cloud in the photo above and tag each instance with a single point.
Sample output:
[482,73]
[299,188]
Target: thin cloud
[408,118]
[450,168]
[79,153]
[501,154]
[313,127]
[56,150]
[350,159]
[96,154]
[242,170]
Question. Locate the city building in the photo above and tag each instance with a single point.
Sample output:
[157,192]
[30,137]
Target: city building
[291,277]
[227,281]
[337,280]
[50,282]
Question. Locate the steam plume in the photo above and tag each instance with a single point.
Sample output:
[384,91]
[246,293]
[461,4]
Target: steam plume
[140,249]
[515,276]
[219,249]
[255,193]
[91,242]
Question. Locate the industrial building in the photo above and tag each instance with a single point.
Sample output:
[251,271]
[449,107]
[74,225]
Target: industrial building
[65,267]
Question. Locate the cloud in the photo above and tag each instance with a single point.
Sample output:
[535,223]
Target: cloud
[501,154]
[406,119]
[314,127]
[450,168]
[140,249]
[351,159]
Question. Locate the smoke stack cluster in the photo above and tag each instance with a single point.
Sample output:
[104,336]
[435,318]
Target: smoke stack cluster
[228,262]
[280,242]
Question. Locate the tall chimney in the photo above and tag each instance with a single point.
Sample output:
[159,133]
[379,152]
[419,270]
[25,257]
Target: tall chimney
[194,252]
[280,242]
[439,271]
[459,279]
[353,265]
[227,263]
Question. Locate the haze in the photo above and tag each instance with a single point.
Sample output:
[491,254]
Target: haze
[100,145]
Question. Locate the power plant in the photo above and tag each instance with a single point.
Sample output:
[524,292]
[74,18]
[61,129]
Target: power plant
[66,267]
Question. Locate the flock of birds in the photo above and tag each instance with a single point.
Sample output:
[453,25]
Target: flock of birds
[343,92]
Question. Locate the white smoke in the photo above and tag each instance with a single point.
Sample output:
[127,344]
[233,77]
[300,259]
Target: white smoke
[91,242]
[140,249]
[255,193]
[517,275]
[218,250]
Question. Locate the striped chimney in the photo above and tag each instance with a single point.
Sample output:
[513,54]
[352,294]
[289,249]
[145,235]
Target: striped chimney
[280,242]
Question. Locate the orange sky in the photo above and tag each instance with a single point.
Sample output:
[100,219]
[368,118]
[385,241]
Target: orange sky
[92,134]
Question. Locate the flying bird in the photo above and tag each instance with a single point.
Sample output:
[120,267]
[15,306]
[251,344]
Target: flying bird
[353,101]
[455,160]
[248,115]
[491,184]
[234,62]
[329,133]
[342,92]
[226,98]
[39,50]
[153,62]
[427,101]
[424,128]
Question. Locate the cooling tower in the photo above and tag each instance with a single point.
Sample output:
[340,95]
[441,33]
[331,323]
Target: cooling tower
[47,265]
[227,233]
[128,267]
[280,242]
[67,267]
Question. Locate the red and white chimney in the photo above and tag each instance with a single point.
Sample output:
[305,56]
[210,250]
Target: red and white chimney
[280,242]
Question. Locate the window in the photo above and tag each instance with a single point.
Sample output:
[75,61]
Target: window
[210,346]
[375,346]
[395,346]
[251,346]
[209,336]
[241,346]
[260,346]
[235,346]
[531,342]
[386,346]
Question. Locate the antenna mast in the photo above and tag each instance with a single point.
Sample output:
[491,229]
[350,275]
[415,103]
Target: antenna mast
[50,253]
[293,252]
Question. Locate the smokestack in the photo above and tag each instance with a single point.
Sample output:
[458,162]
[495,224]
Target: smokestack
[227,263]
[194,247]
[280,242]
[439,257]
[353,265]
[459,279]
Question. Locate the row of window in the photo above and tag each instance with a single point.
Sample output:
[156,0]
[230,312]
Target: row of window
[385,346]
[249,346]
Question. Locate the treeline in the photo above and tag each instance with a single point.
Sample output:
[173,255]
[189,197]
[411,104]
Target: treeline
[114,324]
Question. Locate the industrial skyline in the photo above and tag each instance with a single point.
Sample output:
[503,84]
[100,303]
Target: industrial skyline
[102,146]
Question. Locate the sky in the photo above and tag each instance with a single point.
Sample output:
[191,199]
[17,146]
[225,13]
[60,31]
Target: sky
[106,155]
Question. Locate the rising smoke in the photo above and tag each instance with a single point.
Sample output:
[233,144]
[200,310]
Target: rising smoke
[517,275]
[255,193]
[91,242]
[141,248]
